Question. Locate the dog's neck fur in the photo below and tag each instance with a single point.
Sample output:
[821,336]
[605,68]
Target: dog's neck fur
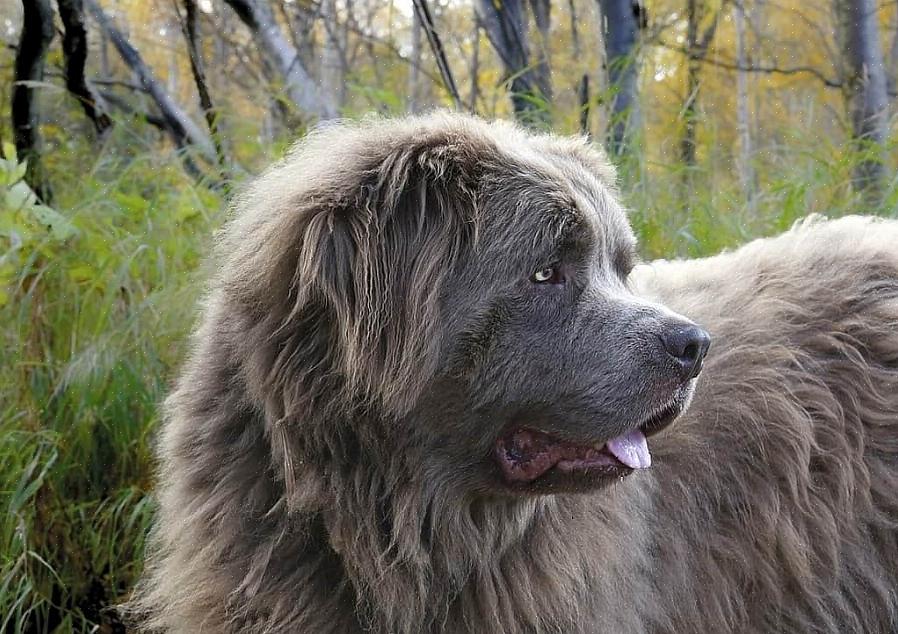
[470,563]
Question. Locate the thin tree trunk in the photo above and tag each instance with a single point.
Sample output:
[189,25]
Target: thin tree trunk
[300,87]
[74,48]
[475,65]
[620,30]
[37,33]
[414,69]
[743,124]
[543,17]
[301,27]
[194,52]
[173,75]
[105,71]
[696,50]
[332,62]
[575,30]
[422,10]
[583,92]
[892,75]
[505,24]
[866,90]
[183,130]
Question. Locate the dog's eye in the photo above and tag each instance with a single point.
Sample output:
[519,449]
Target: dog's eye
[547,275]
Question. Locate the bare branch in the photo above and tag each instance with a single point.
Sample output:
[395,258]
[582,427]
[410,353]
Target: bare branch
[181,127]
[74,47]
[188,27]
[436,45]
[752,68]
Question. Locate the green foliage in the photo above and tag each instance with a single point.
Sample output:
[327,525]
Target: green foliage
[96,301]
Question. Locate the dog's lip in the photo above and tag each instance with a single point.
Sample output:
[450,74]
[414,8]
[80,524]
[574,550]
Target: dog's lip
[525,455]
[662,418]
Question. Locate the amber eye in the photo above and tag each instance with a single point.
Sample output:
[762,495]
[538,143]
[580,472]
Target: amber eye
[547,275]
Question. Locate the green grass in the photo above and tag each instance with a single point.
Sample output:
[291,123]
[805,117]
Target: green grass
[92,327]
[94,314]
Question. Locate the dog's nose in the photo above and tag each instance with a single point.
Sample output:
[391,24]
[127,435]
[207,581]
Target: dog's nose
[687,344]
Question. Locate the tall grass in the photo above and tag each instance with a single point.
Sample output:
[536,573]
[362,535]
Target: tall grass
[94,313]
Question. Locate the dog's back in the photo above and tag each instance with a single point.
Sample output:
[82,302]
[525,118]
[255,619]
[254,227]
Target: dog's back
[778,490]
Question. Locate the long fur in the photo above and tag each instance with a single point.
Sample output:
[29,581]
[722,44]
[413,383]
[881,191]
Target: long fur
[772,504]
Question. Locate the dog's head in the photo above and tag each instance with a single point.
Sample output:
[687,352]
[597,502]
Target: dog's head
[455,291]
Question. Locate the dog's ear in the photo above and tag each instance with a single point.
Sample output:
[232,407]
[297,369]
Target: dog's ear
[375,260]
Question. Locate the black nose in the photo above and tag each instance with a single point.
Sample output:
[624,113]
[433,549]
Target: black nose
[687,344]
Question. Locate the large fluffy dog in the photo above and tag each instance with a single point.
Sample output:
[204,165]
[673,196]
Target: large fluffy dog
[419,399]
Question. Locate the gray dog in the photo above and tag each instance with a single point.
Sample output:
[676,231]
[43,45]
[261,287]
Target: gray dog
[430,393]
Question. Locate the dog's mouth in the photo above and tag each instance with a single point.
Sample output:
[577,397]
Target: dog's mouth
[526,455]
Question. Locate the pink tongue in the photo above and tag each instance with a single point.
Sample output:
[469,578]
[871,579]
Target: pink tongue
[631,449]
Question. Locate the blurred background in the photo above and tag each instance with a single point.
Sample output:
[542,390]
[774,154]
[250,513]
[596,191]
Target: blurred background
[125,125]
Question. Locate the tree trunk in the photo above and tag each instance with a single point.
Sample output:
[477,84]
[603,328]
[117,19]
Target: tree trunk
[422,12]
[332,57]
[696,50]
[300,87]
[180,126]
[415,66]
[892,75]
[865,83]
[505,23]
[743,124]
[475,65]
[543,18]
[194,53]
[74,47]
[37,33]
[575,30]
[620,30]
[301,19]
[583,94]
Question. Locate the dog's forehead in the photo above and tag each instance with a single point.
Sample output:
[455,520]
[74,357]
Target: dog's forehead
[583,202]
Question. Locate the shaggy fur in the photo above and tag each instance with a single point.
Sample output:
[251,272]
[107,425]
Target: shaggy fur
[325,453]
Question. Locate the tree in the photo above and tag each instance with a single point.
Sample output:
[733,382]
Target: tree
[423,13]
[74,47]
[194,53]
[182,129]
[865,87]
[37,33]
[298,84]
[620,27]
[505,23]
[414,77]
[701,24]
[743,124]
[542,16]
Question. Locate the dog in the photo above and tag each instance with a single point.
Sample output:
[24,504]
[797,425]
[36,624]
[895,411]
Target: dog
[432,390]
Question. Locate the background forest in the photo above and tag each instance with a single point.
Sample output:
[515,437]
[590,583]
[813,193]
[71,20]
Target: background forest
[126,125]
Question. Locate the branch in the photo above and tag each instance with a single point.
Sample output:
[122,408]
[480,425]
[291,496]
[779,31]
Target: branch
[188,27]
[180,126]
[74,47]
[433,38]
[776,70]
